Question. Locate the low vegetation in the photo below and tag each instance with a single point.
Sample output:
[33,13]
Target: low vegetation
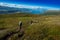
[45,27]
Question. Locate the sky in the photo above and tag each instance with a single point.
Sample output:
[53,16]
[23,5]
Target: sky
[46,3]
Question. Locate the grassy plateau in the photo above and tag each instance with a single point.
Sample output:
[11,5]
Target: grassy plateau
[43,27]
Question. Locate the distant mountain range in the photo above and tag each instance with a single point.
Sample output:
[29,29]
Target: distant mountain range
[7,10]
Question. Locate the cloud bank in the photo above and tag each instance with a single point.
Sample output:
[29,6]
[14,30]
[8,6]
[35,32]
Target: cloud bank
[26,6]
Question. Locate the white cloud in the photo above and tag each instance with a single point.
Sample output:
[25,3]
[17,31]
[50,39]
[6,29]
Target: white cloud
[26,6]
[17,5]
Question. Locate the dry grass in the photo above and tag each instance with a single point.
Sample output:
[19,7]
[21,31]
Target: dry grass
[47,27]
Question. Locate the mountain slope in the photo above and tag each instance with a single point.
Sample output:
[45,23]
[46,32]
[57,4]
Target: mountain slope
[52,12]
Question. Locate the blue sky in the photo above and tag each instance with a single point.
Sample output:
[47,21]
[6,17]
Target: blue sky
[48,3]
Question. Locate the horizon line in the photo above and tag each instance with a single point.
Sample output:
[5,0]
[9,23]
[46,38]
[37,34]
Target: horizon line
[26,6]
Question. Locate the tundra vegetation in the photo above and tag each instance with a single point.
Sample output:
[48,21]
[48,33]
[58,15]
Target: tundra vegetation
[34,27]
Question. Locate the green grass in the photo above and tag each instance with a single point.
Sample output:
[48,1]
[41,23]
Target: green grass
[47,27]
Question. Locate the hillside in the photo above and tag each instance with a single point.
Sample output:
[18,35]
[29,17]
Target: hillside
[45,27]
[52,12]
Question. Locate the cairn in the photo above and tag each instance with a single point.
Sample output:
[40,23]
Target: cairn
[34,21]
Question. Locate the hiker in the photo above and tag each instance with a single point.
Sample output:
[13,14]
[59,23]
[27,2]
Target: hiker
[21,29]
[20,24]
